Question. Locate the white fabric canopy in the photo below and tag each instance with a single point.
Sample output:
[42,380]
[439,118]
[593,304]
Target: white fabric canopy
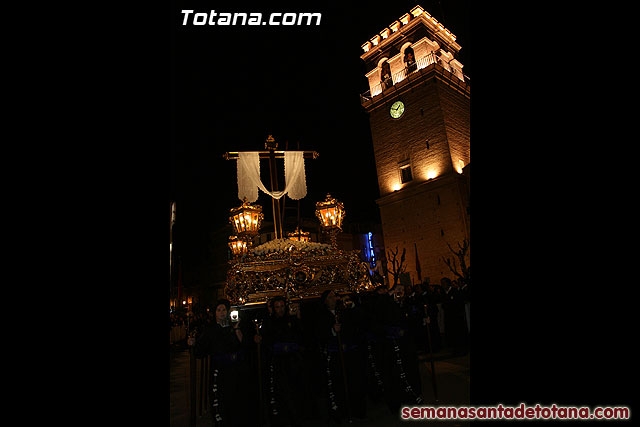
[249,176]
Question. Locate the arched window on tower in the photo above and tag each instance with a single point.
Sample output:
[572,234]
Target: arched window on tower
[385,75]
[409,60]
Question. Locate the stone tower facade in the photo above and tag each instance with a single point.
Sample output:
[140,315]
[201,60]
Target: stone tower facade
[419,112]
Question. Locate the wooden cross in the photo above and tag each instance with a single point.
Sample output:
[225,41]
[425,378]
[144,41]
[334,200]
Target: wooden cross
[272,154]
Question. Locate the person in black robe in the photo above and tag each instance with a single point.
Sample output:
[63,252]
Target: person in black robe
[465,295]
[462,293]
[373,345]
[342,323]
[401,374]
[431,300]
[455,327]
[417,318]
[222,341]
[251,323]
[282,337]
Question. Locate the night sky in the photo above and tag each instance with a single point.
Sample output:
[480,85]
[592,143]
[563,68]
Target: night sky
[233,86]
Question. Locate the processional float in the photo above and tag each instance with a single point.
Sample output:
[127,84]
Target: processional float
[291,266]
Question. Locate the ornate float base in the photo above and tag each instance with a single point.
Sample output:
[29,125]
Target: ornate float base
[295,274]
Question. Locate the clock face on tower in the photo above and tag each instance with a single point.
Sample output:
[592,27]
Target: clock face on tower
[397,109]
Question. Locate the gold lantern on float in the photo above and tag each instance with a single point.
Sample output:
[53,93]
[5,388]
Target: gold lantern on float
[299,235]
[246,219]
[238,246]
[331,213]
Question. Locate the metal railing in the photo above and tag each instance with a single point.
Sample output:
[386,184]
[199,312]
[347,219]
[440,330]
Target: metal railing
[425,61]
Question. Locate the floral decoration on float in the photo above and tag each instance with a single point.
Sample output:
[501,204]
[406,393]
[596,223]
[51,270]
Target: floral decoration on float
[280,247]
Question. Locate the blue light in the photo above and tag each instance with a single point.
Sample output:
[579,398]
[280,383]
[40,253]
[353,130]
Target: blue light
[371,253]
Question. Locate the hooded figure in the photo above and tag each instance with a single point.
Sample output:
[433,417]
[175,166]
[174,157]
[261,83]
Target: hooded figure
[341,321]
[221,340]
[285,374]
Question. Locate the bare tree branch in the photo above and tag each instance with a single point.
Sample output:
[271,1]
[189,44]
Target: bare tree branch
[397,266]
[460,254]
[453,269]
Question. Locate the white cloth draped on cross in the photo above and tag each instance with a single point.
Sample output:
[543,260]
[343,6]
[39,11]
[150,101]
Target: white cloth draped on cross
[249,176]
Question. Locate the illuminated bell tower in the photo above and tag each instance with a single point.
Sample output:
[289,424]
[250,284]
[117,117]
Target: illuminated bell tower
[418,106]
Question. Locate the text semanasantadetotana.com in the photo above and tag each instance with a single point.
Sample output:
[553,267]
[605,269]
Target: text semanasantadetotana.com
[515,413]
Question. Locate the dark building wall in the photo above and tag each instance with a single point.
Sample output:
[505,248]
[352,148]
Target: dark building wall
[430,218]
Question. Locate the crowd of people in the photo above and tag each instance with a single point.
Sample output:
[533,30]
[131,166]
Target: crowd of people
[291,361]
[191,319]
